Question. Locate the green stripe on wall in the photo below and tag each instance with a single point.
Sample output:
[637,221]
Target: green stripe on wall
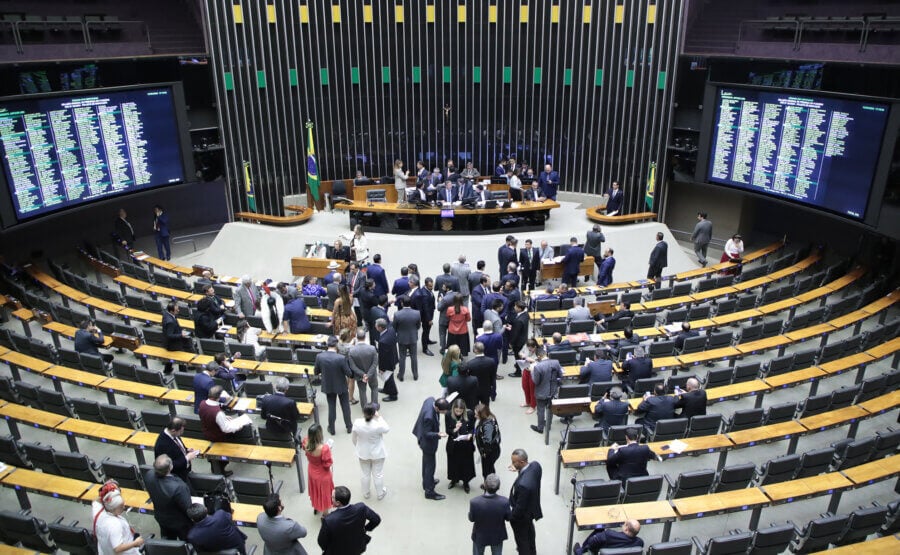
[598,78]
[507,74]
[448,74]
[292,77]
[261,79]
[629,78]
[417,74]
[385,74]
[323,75]
[567,76]
[476,74]
[229,81]
[661,80]
[354,75]
[538,73]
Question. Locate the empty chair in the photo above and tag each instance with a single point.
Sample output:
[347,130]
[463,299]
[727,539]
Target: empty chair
[668,429]
[734,477]
[816,404]
[745,419]
[631,297]
[776,470]
[718,377]
[155,421]
[699,312]
[549,328]
[639,321]
[306,356]
[622,323]
[276,439]
[639,489]
[819,533]
[732,544]
[574,391]
[68,357]
[693,345]
[815,462]
[8,391]
[212,346]
[93,364]
[679,381]
[254,388]
[805,358]
[154,546]
[599,389]
[12,453]
[682,289]
[706,285]
[43,351]
[582,326]
[78,466]
[892,520]
[799,321]
[781,412]
[719,339]
[28,530]
[830,352]
[54,401]
[596,493]
[28,392]
[192,427]
[885,443]
[616,434]
[746,372]
[41,456]
[246,351]
[817,315]
[688,484]
[851,452]
[87,409]
[124,370]
[677,547]
[253,490]
[246,435]
[301,393]
[115,415]
[843,397]
[745,302]
[724,281]
[726,306]
[870,388]
[863,522]
[580,438]
[72,539]
[778,365]
[566,357]
[676,316]
[202,484]
[704,425]
[126,474]
[661,293]
[152,377]
[772,540]
[279,354]
[545,305]
[751,332]
[184,380]
[662,349]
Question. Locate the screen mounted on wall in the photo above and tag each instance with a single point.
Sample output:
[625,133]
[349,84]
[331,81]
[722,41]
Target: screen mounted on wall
[60,151]
[817,150]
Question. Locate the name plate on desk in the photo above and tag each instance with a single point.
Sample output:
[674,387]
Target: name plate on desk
[566,407]
[124,341]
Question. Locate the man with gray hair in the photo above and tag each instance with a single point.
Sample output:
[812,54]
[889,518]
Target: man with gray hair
[246,298]
[363,360]
[637,367]
[461,270]
[577,312]
[279,411]
[489,514]
[611,409]
[171,499]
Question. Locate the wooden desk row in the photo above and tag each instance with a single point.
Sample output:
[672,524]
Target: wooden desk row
[140,441]
[25,481]
[754,499]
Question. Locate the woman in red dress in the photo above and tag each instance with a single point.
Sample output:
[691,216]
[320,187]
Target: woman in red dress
[320,477]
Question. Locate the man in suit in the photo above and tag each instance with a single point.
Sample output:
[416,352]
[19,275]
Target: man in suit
[214,532]
[171,499]
[628,461]
[691,402]
[379,311]
[295,317]
[475,277]
[401,284]
[422,299]
[492,341]
[572,262]
[345,529]
[169,443]
[623,312]
[447,193]
[203,382]
[489,514]
[578,312]
[123,231]
[686,333]
[447,278]
[333,289]
[517,329]
[161,233]
[505,255]
[546,374]
[593,245]
[246,298]
[465,385]
[529,264]
[387,358]
[654,408]
[335,370]
[376,273]
[658,260]
[478,295]
[534,193]
[602,538]
[88,338]
[363,360]
[549,182]
[279,411]
[177,339]
[525,501]
[428,433]
[461,271]
[638,367]
[598,370]
[615,201]
[489,302]
[446,297]
[701,237]
[611,410]
[407,322]
[485,370]
[607,265]
[557,343]
[279,533]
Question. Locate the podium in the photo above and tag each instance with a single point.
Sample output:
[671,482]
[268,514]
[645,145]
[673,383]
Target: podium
[314,266]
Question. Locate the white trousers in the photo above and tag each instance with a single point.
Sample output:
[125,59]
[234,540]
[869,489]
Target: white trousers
[372,469]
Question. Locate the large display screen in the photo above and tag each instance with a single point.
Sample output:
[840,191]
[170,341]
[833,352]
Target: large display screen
[817,150]
[63,150]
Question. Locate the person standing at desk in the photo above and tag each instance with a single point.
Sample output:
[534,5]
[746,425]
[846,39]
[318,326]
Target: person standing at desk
[169,443]
[615,201]
[606,266]
[593,246]
[161,231]
[701,237]
[529,264]
[549,182]
[506,254]
[734,248]
[400,177]
[572,263]
[658,260]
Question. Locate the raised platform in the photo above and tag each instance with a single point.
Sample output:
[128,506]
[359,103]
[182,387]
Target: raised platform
[595,215]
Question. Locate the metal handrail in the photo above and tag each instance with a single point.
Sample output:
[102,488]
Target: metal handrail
[793,22]
[90,43]
[85,30]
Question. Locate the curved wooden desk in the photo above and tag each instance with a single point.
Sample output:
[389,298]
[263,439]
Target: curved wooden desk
[595,215]
[304,216]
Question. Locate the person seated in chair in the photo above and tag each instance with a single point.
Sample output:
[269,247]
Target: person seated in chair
[631,460]
[637,367]
[624,312]
[214,532]
[598,370]
[654,408]
[611,409]
[88,339]
[685,333]
[601,538]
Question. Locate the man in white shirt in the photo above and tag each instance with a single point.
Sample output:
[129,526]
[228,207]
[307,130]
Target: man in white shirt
[217,426]
[114,535]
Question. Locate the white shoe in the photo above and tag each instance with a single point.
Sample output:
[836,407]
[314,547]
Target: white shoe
[382,494]
[367,495]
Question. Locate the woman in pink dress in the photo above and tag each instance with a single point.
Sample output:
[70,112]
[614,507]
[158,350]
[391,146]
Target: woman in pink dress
[320,478]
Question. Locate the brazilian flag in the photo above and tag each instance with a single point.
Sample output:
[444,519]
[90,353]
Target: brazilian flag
[248,188]
[312,166]
[651,186]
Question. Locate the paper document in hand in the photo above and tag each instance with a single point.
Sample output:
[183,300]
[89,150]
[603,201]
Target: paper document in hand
[558,259]
[672,328]
[452,397]
[242,404]
[678,446]
[387,375]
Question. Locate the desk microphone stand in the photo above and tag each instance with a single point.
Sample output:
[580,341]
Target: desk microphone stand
[571,535]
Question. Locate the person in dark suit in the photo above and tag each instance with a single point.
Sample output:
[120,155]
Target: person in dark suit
[593,245]
[505,255]
[89,338]
[447,193]
[401,284]
[534,193]
[479,292]
[428,433]
[611,410]
[598,370]
[658,259]
[692,402]
[422,300]
[161,233]
[489,514]
[638,367]
[123,231]
[483,368]
[203,382]
[549,182]
[407,322]
[169,443]
[685,333]
[177,339]
[602,538]
[345,529]
[380,311]
[606,267]
[335,370]
[279,533]
[615,201]
[629,339]
[517,329]
[572,263]
[171,499]
[624,312]
[475,275]
[280,412]
[701,237]
[525,501]
[628,461]
[465,385]
[654,408]
[387,358]
[376,273]
[214,532]
[338,251]
[529,264]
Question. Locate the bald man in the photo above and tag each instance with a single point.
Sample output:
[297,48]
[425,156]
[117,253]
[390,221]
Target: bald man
[692,402]
[611,539]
